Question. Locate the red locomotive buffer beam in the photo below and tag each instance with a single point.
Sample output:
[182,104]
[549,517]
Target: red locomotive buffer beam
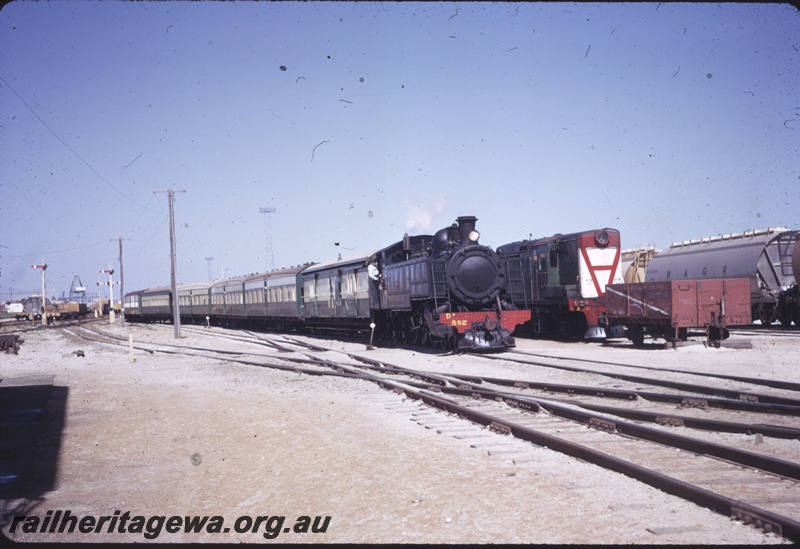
[464,321]
[478,328]
[669,308]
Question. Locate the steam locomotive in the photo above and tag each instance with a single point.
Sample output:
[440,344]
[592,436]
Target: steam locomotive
[443,290]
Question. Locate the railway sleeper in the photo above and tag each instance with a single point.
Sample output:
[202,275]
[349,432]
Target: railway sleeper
[670,421]
[602,425]
[499,428]
[695,403]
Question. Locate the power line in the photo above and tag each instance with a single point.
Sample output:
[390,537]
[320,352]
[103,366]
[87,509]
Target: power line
[85,163]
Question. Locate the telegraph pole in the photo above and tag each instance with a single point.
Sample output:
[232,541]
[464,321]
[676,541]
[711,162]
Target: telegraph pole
[121,283]
[176,306]
[43,267]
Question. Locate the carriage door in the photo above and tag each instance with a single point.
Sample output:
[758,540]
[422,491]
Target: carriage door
[339,297]
[349,294]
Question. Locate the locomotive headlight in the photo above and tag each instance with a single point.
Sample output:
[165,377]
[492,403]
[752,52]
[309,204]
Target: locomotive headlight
[601,238]
[474,236]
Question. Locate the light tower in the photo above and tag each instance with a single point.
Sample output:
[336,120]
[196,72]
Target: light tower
[269,260]
[210,273]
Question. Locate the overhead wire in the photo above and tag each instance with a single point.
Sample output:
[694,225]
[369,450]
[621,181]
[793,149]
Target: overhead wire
[73,151]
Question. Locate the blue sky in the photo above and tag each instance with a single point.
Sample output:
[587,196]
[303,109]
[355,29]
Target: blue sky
[359,122]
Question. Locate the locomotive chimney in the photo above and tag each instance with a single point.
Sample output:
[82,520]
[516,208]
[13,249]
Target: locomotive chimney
[466,224]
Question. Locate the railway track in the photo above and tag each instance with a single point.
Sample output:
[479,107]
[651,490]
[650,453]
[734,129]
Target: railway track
[11,331]
[681,454]
[773,331]
[12,325]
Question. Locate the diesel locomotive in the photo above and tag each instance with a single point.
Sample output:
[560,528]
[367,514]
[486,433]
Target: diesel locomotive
[562,279]
[444,290]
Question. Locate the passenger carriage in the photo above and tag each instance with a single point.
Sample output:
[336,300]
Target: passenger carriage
[227,301]
[133,307]
[271,299]
[156,304]
[194,302]
[336,295]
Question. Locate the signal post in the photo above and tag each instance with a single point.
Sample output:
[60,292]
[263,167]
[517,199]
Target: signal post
[110,295]
[43,267]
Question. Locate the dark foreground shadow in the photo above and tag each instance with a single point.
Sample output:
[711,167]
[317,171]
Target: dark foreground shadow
[32,416]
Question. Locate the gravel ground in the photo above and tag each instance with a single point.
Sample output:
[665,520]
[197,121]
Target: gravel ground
[171,435]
